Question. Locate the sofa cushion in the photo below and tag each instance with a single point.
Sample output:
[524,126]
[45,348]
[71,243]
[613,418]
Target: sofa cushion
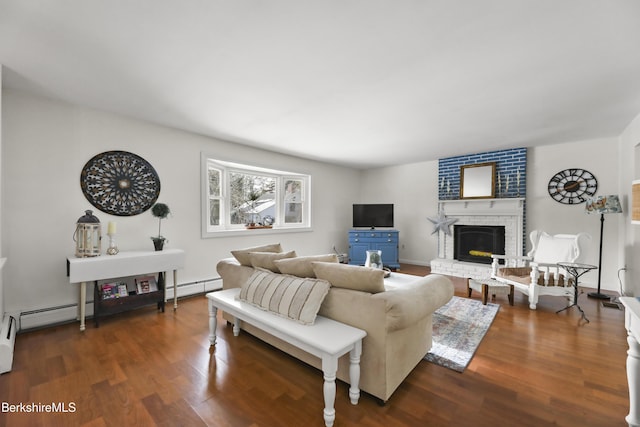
[552,249]
[295,298]
[242,255]
[267,259]
[301,266]
[354,277]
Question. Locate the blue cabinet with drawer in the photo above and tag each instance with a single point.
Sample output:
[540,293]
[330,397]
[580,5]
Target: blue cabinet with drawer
[361,241]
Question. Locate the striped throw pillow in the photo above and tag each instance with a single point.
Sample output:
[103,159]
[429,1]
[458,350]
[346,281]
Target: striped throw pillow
[296,298]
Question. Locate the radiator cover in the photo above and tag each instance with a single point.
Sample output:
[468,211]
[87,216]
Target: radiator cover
[7,341]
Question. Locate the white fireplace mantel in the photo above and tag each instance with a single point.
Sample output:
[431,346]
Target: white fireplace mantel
[492,207]
[508,212]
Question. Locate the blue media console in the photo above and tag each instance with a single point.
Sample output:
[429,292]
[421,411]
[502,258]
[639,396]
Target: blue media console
[361,241]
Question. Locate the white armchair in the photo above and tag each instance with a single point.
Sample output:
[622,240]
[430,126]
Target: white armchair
[538,273]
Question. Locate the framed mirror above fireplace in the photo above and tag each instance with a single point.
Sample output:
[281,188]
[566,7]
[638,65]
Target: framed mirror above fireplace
[478,181]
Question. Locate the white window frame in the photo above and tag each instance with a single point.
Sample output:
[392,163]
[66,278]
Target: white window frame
[225,228]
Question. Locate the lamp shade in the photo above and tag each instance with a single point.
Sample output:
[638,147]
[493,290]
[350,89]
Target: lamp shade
[635,202]
[604,204]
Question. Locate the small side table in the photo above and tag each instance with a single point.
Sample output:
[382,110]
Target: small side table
[576,270]
[490,287]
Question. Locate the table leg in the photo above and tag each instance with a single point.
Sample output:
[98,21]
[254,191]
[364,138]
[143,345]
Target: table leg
[575,303]
[633,373]
[213,323]
[485,293]
[83,304]
[354,372]
[175,289]
[329,369]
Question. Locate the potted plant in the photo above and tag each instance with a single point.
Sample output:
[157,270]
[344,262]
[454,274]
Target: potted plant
[252,217]
[160,211]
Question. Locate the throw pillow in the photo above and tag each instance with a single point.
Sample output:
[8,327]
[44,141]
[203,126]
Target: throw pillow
[295,298]
[301,266]
[242,255]
[552,249]
[267,259]
[354,277]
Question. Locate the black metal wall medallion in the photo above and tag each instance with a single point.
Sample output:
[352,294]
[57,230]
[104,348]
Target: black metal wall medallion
[120,183]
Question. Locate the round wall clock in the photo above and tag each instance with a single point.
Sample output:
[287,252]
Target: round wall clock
[572,186]
[120,183]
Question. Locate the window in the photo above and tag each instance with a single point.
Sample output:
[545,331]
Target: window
[241,198]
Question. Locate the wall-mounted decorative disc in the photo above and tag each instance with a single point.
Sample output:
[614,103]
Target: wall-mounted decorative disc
[120,183]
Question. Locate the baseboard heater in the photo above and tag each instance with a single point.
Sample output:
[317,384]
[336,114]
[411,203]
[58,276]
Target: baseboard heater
[7,340]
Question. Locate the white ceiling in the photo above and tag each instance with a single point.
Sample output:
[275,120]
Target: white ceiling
[362,83]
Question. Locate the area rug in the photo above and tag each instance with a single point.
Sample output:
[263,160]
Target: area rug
[458,328]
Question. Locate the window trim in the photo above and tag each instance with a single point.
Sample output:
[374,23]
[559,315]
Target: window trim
[225,229]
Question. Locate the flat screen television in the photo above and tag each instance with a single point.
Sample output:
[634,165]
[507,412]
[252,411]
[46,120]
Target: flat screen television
[372,215]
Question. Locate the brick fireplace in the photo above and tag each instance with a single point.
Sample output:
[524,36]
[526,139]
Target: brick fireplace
[507,213]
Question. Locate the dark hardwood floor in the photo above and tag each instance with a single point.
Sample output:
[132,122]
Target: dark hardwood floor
[146,368]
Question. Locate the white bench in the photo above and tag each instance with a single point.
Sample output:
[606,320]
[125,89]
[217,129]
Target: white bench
[326,339]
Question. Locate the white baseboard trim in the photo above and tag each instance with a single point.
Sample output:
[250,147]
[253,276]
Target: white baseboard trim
[61,314]
[50,316]
[195,288]
[416,262]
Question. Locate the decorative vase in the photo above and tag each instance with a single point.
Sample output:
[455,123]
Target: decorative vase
[374,259]
[158,243]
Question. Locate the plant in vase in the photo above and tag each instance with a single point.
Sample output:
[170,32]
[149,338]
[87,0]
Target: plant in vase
[160,211]
[374,259]
[252,217]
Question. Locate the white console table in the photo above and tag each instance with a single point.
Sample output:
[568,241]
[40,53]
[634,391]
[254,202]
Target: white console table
[123,264]
[632,324]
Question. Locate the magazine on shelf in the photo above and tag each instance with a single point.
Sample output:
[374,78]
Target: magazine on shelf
[123,291]
[108,290]
[146,284]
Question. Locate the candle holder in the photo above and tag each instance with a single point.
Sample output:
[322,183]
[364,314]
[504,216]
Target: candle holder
[112,249]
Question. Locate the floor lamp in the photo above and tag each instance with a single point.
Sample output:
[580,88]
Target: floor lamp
[602,205]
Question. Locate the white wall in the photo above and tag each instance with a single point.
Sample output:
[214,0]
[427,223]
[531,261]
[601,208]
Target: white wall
[629,235]
[599,157]
[45,145]
[413,190]
[1,204]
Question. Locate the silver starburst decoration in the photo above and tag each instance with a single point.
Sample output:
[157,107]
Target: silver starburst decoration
[442,223]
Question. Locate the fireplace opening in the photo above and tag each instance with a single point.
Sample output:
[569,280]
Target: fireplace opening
[476,243]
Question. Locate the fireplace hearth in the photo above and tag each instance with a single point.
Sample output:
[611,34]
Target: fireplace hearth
[476,243]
